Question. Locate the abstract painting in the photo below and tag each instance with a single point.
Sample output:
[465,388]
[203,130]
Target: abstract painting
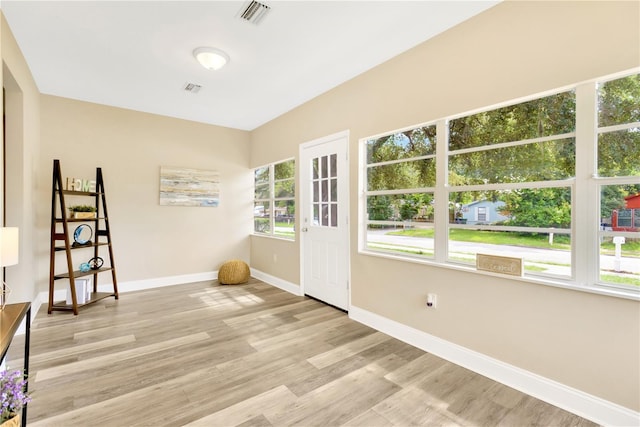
[189,187]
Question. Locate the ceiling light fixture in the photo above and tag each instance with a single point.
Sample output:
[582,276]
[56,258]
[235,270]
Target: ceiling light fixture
[211,58]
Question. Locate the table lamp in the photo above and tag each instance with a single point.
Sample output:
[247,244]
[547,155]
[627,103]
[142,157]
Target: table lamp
[9,251]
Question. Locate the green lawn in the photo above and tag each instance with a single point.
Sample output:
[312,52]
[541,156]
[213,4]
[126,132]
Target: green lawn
[428,252]
[285,225]
[610,278]
[492,237]
[290,233]
[630,249]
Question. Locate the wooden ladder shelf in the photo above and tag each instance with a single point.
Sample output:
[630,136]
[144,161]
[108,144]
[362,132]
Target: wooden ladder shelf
[64,240]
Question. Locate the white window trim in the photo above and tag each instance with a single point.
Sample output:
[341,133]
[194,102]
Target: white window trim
[585,188]
[513,143]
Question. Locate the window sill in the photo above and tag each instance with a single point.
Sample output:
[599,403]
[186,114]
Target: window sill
[270,236]
[593,289]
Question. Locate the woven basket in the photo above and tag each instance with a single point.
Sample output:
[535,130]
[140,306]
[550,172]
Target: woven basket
[233,272]
[12,422]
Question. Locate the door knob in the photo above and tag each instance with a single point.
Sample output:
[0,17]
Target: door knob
[305,229]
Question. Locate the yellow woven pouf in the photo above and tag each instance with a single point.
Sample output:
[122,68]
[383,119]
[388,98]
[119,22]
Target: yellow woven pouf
[233,272]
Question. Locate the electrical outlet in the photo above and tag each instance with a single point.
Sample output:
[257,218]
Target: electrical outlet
[432,300]
[275,257]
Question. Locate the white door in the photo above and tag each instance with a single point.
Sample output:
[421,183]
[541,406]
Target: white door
[324,246]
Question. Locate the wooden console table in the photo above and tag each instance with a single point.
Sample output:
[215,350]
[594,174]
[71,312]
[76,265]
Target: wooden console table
[10,318]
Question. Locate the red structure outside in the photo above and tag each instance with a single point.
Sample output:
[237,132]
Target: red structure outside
[627,219]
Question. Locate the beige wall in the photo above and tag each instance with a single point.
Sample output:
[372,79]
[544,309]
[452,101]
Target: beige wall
[150,241]
[586,341]
[277,257]
[515,49]
[22,145]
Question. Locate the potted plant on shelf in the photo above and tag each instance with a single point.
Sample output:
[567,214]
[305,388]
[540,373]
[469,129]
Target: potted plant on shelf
[82,212]
[12,385]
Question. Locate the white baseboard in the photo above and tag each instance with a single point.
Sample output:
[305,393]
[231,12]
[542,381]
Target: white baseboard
[578,402]
[159,282]
[292,288]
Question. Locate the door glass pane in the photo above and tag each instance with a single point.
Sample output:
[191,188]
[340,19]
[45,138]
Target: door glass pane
[325,190]
[334,162]
[334,190]
[334,215]
[323,167]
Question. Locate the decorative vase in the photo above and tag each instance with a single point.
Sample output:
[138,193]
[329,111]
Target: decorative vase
[12,422]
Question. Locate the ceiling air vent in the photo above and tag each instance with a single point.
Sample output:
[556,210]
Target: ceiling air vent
[192,87]
[254,12]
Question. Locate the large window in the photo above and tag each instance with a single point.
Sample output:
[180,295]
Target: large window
[514,161]
[274,200]
[619,170]
[504,182]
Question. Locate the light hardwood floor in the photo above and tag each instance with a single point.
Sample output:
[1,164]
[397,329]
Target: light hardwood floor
[202,354]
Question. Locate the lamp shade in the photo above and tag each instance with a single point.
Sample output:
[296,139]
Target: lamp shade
[9,248]
[211,58]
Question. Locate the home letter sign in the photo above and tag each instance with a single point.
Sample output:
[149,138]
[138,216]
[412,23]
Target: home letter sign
[76,184]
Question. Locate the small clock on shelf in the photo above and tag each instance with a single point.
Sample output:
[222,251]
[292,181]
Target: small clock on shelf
[82,235]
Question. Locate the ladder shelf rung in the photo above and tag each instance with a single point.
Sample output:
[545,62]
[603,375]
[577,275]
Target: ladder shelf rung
[80,193]
[79,273]
[95,296]
[59,220]
[90,245]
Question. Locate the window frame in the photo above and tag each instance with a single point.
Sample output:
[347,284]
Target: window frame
[601,181]
[396,191]
[271,200]
[584,186]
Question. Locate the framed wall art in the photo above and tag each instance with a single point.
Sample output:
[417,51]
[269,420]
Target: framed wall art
[189,187]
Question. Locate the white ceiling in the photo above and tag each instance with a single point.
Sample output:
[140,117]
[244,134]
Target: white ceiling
[138,54]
